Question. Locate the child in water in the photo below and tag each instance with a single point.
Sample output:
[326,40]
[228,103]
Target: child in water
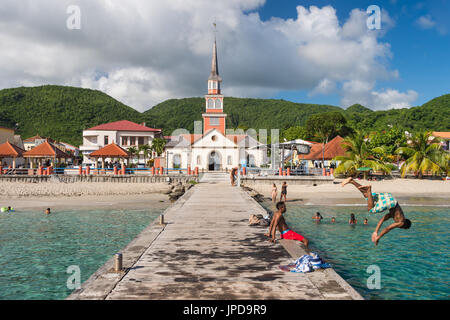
[352,219]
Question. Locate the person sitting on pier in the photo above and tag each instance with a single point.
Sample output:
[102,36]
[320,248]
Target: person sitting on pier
[379,202]
[279,222]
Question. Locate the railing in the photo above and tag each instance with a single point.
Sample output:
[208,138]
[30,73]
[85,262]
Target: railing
[89,170]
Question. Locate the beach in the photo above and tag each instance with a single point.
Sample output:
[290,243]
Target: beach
[83,195]
[407,191]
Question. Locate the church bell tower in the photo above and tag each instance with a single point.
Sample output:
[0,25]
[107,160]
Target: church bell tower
[214,118]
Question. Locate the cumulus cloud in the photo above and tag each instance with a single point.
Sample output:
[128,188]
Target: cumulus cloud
[143,52]
[364,92]
[426,22]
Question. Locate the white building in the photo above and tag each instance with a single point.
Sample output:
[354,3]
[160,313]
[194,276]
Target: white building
[124,133]
[214,148]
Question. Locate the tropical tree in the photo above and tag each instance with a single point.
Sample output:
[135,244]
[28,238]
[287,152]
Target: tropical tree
[145,149]
[294,133]
[158,145]
[325,126]
[424,154]
[358,155]
[133,151]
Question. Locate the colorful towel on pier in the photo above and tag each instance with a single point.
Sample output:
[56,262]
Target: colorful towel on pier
[306,263]
[382,202]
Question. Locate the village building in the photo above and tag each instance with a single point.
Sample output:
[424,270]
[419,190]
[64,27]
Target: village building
[445,137]
[124,133]
[317,154]
[214,147]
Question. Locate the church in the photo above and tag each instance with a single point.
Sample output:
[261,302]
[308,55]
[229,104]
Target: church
[213,147]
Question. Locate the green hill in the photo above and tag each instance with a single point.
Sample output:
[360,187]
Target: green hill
[243,112]
[59,112]
[63,112]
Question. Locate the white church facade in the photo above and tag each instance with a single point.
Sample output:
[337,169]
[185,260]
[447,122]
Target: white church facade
[214,148]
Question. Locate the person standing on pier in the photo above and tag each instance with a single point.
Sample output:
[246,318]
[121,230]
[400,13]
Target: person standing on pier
[283,192]
[279,222]
[274,193]
[233,176]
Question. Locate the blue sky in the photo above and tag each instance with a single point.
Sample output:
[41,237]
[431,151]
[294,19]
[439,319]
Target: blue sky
[421,55]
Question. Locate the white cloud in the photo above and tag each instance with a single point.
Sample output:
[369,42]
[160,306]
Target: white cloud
[426,22]
[364,93]
[143,52]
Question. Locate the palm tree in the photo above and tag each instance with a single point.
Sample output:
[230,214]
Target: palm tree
[133,151]
[145,149]
[424,154]
[358,155]
[158,145]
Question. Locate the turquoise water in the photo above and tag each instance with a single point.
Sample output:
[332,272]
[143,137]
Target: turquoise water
[35,250]
[413,263]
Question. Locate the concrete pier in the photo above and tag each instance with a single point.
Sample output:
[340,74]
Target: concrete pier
[206,250]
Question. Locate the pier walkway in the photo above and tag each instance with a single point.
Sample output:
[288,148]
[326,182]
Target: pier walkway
[207,251]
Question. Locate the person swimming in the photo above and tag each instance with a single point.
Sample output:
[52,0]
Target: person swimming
[352,219]
[333,220]
[317,217]
[366,222]
[47,211]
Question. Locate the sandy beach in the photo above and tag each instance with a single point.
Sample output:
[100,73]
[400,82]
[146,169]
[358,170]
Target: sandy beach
[83,195]
[407,191]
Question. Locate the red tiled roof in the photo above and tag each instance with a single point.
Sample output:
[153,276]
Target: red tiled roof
[111,150]
[443,135]
[46,150]
[37,137]
[332,149]
[8,150]
[123,125]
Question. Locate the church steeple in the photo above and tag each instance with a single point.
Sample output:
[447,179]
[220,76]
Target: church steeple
[214,118]
[214,65]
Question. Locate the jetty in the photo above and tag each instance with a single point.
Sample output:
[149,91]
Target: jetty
[206,250]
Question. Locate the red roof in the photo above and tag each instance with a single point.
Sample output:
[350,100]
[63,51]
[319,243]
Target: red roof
[46,150]
[111,150]
[123,125]
[8,150]
[38,137]
[443,135]
[332,149]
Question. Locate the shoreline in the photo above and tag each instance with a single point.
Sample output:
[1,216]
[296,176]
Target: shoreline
[408,192]
[121,202]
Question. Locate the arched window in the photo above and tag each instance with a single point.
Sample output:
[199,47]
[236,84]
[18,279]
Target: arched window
[176,161]
[218,104]
[229,160]
[199,160]
[210,104]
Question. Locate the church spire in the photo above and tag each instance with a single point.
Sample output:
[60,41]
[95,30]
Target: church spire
[214,65]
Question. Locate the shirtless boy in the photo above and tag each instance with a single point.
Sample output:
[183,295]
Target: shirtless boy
[379,202]
[279,222]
